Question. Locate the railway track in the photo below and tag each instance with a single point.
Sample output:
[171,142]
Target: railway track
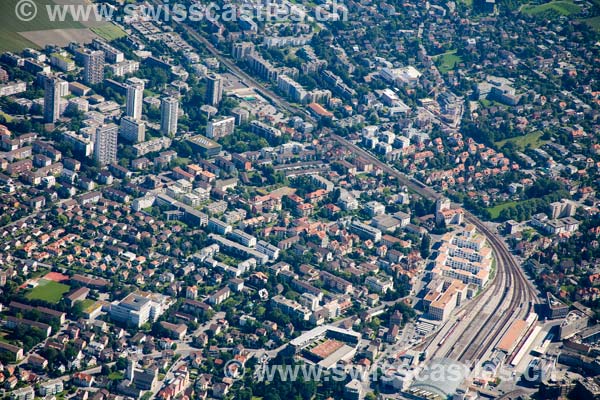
[508,274]
[495,323]
[486,300]
[260,88]
[502,254]
[499,247]
[465,348]
[519,306]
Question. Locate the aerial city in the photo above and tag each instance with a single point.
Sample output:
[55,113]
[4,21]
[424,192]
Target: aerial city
[299,200]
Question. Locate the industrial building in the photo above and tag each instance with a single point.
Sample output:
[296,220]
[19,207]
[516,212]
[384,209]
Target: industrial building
[203,145]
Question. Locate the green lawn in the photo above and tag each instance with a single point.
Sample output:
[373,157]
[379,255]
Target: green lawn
[561,7]
[3,335]
[593,22]
[533,140]
[115,376]
[447,61]
[497,209]
[48,291]
[87,303]
[489,103]
[109,31]
[10,25]
[7,117]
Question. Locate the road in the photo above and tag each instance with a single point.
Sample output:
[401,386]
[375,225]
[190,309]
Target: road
[482,331]
[250,81]
[184,350]
[477,338]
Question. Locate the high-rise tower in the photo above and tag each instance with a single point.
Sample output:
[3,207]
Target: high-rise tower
[135,98]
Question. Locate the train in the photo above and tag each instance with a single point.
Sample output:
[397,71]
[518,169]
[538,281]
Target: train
[447,335]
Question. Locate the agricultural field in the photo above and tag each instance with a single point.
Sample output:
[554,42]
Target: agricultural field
[10,25]
[40,31]
[48,291]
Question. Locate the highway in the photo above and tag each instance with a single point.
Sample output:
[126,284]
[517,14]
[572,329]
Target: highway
[489,315]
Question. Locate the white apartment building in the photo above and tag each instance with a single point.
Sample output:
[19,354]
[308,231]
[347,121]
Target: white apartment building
[135,98]
[137,308]
[220,127]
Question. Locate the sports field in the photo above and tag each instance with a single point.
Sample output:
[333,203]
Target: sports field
[48,291]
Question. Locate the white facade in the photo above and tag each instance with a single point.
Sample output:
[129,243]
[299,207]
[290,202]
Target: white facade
[268,249]
[135,97]
[214,89]
[93,67]
[169,113]
[8,89]
[105,145]
[243,238]
[219,128]
[124,67]
[137,309]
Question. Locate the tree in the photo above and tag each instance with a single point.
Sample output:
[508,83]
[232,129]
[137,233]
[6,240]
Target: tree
[245,394]
[121,363]
[260,312]
[62,219]
[425,246]
[77,309]
[5,219]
